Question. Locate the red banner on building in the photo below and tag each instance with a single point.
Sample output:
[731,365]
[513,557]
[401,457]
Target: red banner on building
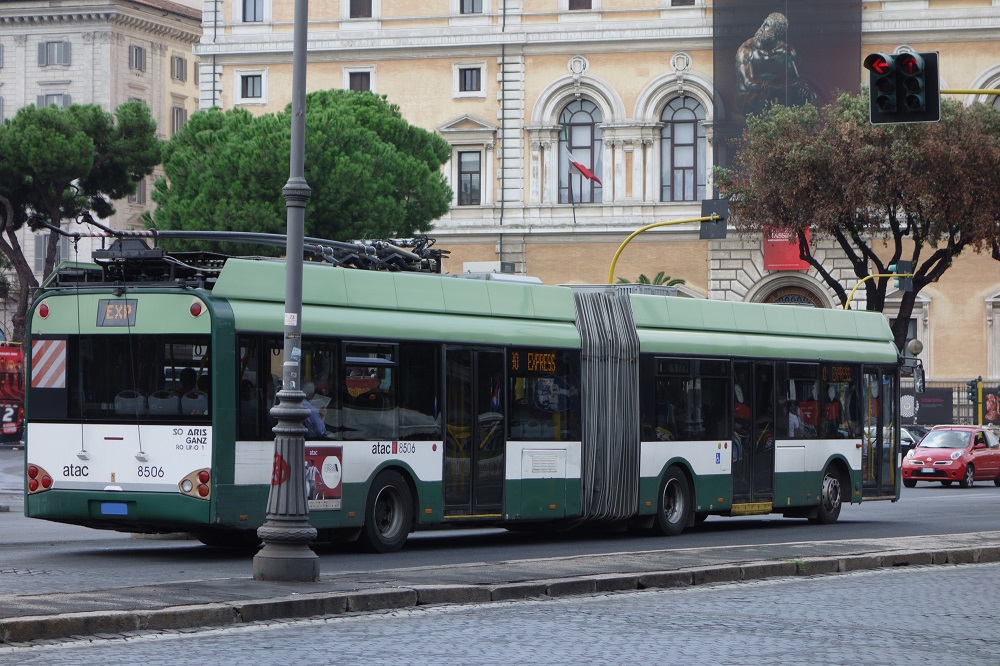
[781,250]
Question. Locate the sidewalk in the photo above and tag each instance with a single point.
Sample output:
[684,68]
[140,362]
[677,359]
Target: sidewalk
[232,601]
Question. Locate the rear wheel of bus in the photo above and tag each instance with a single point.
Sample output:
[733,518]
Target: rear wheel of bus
[831,498]
[388,513]
[674,506]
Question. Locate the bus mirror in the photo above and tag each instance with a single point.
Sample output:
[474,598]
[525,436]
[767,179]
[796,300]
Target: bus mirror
[918,379]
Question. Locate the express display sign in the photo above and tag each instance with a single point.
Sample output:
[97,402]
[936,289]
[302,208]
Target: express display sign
[116,312]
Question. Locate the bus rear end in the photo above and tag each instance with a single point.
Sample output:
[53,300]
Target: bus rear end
[119,407]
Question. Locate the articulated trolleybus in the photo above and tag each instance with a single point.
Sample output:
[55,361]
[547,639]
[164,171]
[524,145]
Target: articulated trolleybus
[436,400]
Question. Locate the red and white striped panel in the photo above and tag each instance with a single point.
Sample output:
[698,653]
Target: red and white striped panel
[48,364]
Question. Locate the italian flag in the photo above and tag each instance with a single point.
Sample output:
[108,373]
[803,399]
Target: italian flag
[580,167]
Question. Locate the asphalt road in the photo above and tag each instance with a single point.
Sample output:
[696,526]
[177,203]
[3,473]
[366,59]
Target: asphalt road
[114,559]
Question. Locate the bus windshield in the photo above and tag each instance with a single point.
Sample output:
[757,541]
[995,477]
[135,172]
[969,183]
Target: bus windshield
[130,378]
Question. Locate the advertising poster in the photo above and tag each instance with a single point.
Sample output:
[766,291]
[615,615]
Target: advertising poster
[991,406]
[786,52]
[324,476]
[932,407]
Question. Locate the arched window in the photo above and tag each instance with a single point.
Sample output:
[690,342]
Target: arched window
[581,138]
[683,149]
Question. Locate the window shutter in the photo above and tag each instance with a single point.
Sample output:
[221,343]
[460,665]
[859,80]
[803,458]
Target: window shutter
[66,53]
[41,54]
[67,100]
[40,102]
[1,55]
[40,252]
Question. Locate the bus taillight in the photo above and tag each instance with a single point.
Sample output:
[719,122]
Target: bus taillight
[38,479]
[196,484]
[43,310]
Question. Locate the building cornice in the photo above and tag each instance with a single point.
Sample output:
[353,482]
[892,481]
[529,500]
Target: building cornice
[186,31]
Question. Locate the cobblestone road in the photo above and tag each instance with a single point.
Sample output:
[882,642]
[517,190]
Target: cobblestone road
[916,615]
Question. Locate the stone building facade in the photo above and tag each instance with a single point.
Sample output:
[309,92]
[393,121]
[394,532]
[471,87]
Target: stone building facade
[503,80]
[104,52]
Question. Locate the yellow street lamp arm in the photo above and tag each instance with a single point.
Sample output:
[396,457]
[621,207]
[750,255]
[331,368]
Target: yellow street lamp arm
[847,305]
[611,273]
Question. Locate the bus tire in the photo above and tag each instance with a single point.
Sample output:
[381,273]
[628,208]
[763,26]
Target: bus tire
[388,513]
[831,498]
[674,505]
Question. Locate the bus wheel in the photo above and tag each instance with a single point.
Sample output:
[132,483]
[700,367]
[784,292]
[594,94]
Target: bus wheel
[388,513]
[673,510]
[831,499]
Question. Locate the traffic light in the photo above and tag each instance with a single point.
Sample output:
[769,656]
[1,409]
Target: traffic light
[904,282]
[882,81]
[972,392]
[905,88]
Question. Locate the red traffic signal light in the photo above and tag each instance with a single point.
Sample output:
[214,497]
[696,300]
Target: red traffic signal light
[879,63]
[904,87]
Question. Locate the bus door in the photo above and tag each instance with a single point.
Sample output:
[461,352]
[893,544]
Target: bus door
[880,435]
[753,436]
[474,432]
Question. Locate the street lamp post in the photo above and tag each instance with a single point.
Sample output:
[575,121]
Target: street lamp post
[286,555]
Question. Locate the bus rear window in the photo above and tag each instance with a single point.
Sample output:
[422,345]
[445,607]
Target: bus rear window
[116,378]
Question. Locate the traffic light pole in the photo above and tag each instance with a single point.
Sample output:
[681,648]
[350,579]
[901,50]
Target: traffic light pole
[847,305]
[707,218]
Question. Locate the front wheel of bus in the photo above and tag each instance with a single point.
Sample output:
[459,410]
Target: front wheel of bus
[388,513]
[831,498]
[673,510]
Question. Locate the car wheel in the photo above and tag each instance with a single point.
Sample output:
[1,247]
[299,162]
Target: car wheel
[388,513]
[830,499]
[946,483]
[910,483]
[969,479]
[996,481]
[673,511]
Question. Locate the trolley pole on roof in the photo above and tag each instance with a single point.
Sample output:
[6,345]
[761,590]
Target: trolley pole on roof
[286,555]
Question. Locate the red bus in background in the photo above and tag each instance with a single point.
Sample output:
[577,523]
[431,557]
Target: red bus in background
[11,393]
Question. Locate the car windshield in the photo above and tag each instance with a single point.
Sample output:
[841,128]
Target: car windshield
[945,439]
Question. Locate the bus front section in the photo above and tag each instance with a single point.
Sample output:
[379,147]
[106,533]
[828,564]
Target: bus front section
[119,410]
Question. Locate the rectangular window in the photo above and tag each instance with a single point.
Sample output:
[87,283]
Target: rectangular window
[137,58]
[178,68]
[252,86]
[253,11]
[544,390]
[682,3]
[579,4]
[472,6]
[470,178]
[798,397]
[156,378]
[360,81]
[178,116]
[140,193]
[59,99]
[368,386]
[53,53]
[691,401]
[361,8]
[469,79]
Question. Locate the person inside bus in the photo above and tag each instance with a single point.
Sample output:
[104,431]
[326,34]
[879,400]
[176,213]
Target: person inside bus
[314,423]
[187,379]
[794,422]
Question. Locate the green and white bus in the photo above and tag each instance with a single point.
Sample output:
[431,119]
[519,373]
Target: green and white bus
[443,401]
